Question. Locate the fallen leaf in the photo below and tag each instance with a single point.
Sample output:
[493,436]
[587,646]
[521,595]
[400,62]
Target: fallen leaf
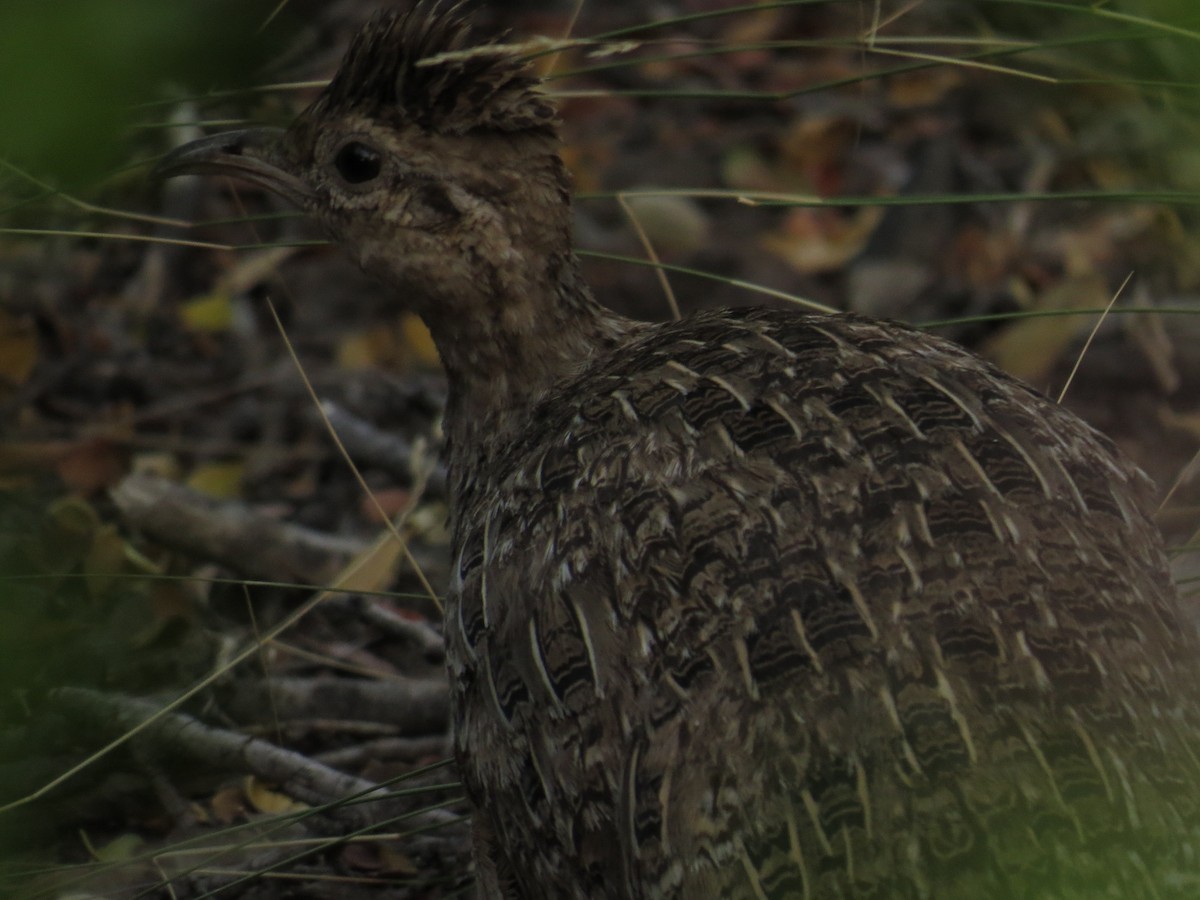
[18,347]
[229,805]
[923,87]
[269,801]
[821,240]
[817,147]
[209,313]
[373,569]
[120,849]
[1029,347]
[418,340]
[218,479]
[394,860]
[357,350]
[253,268]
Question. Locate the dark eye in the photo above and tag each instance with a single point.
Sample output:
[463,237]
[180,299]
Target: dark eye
[358,163]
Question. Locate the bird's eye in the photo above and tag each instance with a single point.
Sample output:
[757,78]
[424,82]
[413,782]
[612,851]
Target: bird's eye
[358,163]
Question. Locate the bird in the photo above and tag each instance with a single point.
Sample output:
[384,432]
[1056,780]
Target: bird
[757,603]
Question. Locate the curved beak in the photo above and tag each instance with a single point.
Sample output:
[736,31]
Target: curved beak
[254,155]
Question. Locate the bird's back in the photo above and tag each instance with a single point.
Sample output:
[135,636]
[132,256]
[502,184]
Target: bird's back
[763,604]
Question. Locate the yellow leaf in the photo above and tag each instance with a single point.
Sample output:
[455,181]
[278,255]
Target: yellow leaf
[403,345]
[265,800]
[217,479]
[119,849]
[211,312]
[418,340]
[253,268]
[357,350]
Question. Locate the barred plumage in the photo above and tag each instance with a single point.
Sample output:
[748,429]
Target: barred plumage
[755,604]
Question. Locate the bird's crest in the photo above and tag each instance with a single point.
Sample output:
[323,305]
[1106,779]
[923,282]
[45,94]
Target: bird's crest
[421,68]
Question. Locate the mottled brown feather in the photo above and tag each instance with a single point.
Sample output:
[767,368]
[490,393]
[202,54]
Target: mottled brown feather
[756,604]
[828,608]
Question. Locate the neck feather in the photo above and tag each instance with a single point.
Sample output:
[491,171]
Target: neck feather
[532,334]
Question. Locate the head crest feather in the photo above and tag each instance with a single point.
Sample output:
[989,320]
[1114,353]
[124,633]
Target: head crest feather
[420,67]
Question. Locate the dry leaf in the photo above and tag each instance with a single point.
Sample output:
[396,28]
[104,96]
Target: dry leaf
[266,800]
[819,240]
[373,569]
[120,849]
[418,341]
[816,147]
[357,350]
[209,313]
[924,87]
[18,347]
[253,268]
[229,805]
[218,479]
[1030,347]
[395,861]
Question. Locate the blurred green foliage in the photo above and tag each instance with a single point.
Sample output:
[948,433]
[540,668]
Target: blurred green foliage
[73,72]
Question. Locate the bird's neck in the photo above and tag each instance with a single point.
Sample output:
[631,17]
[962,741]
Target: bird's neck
[528,335]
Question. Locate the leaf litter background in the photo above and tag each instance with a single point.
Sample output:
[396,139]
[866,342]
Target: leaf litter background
[208,637]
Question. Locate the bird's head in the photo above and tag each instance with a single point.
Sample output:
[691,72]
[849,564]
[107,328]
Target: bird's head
[433,162]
